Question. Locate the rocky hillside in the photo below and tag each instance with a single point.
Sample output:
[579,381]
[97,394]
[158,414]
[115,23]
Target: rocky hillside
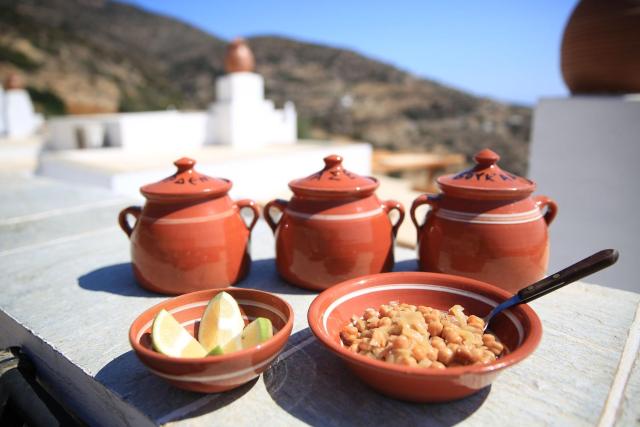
[87,56]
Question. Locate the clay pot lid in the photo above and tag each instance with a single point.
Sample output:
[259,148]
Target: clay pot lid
[486,178]
[186,183]
[334,181]
[239,57]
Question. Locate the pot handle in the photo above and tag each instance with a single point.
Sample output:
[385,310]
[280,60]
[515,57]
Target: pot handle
[428,199]
[280,205]
[123,221]
[388,206]
[552,207]
[248,203]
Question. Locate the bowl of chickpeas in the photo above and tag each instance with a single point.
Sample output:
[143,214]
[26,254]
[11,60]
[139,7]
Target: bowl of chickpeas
[420,336]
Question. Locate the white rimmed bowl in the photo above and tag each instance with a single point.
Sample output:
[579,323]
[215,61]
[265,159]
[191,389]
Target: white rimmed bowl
[213,373]
[518,328]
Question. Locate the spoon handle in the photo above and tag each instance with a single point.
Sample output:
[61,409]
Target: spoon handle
[577,271]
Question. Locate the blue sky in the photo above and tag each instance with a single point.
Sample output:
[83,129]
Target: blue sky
[508,50]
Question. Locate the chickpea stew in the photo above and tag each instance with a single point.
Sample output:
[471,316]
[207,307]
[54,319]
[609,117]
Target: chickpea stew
[421,336]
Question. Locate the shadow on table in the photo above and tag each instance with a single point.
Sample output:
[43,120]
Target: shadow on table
[264,276]
[127,377]
[116,279]
[407,265]
[119,279]
[316,387]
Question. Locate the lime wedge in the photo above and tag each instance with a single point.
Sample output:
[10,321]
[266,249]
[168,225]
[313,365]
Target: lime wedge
[217,350]
[257,332]
[170,338]
[221,324]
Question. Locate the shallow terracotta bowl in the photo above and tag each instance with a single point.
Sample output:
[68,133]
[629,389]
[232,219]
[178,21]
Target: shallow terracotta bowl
[519,329]
[213,373]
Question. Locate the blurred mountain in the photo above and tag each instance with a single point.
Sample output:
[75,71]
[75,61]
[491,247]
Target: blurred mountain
[91,56]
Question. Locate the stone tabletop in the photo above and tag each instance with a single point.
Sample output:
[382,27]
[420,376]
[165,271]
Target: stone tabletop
[68,298]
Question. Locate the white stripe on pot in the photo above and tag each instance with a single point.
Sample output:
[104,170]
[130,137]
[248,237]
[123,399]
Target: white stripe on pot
[480,218]
[215,378]
[334,217]
[445,289]
[191,220]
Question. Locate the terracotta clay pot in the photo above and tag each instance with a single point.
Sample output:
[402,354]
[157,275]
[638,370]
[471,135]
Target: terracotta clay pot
[601,47]
[213,374]
[486,225]
[519,329]
[13,81]
[239,57]
[189,236]
[334,228]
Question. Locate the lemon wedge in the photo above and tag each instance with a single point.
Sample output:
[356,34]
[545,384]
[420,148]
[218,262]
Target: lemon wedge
[170,338]
[221,324]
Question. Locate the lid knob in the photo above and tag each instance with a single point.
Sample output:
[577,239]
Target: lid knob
[333,161]
[184,164]
[486,157]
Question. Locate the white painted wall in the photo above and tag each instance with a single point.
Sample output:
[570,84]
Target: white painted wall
[65,133]
[163,130]
[241,117]
[18,117]
[2,112]
[244,119]
[259,175]
[585,154]
[156,130]
[240,88]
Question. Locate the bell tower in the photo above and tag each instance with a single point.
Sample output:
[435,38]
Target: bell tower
[240,116]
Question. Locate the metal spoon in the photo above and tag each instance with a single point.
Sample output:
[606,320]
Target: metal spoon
[577,271]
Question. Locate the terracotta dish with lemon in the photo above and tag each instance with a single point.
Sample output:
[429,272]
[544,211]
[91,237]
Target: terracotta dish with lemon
[168,341]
